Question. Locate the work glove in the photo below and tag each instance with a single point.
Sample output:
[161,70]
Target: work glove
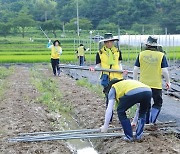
[125,72]
[92,69]
[168,85]
[103,129]
[49,41]
[133,124]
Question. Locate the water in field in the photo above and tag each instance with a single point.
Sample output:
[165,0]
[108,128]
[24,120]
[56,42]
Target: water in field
[77,146]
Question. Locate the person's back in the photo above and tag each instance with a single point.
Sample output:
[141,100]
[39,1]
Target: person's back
[125,86]
[150,68]
[152,64]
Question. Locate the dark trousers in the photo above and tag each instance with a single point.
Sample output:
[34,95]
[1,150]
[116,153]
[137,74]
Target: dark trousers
[55,66]
[157,98]
[81,60]
[144,98]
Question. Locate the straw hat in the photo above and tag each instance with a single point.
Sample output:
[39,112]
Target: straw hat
[109,37]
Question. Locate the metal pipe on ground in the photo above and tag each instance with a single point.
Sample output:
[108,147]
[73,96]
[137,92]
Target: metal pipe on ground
[159,124]
[70,131]
[77,136]
[88,68]
[80,134]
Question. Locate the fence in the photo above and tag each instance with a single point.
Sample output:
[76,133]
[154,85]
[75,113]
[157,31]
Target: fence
[130,46]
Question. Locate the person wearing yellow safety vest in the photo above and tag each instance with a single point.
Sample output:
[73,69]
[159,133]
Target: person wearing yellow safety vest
[109,57]
[127,93]
[56,51]
[152,65]
[81,54]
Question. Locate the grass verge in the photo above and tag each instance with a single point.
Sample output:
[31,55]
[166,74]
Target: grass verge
[4,73]
[94,88]
[50,94]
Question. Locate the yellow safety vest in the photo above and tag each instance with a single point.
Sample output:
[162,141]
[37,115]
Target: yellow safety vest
[150,68]
[123,87]
[104,56]
[55,52]
[81,51]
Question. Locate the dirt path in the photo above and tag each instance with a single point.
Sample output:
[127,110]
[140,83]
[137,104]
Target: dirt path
[20,113]
[89,110]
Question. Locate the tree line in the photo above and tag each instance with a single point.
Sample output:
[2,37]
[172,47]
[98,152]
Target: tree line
[132,16]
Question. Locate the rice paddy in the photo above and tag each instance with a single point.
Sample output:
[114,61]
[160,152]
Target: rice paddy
[18,50]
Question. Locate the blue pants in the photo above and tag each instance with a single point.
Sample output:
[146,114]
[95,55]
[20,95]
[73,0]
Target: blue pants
[127,101]
[81,60]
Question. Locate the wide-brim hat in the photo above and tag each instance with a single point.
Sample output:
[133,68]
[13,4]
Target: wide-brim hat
[152,41]
[109,37]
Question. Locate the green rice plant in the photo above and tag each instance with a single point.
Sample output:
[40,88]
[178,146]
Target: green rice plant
[19,50]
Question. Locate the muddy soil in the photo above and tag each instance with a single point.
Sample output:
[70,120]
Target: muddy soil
[171,102]
[89,111]
[20,113]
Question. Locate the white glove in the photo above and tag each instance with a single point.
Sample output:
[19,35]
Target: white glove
[49,41]
[103,129]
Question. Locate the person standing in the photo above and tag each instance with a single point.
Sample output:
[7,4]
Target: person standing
[127,93]
[152,65]
[56,51]
[81,54]
[109,57]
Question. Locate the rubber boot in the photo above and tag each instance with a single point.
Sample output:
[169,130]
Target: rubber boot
[140,128]
[154,114]
[126,125]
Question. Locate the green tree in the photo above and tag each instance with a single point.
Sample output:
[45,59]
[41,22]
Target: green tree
[109,27]
[23,22]
[5,29]
[170,18]
[42,10]
[52,25]
[84,24]
[66,10]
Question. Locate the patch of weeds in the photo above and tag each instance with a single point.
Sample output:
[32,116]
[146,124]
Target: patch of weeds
[50,94]
[94,88]
[4,73]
